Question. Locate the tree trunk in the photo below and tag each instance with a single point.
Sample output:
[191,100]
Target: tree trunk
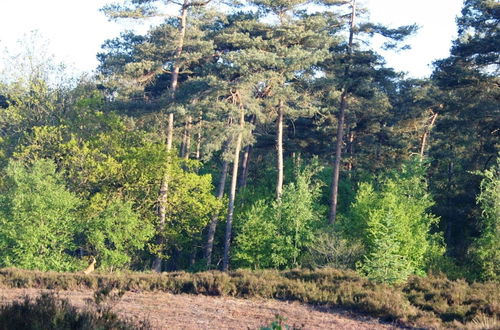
[213,223]
[244,166]
[340,129]
[186,140]
[279,149]
[246,161]
[232,192]
[162,198]
[338,153]
[170,131]
[350,150]
[198,137]
[423,140]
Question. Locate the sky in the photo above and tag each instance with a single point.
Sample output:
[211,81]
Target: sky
[75,29]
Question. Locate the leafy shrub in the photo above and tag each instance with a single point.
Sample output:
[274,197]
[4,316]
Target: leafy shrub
[254,243]
[37,218]
[113,231]
[48,312]
[277,234]
[486,249]
[191,202]
[392,221]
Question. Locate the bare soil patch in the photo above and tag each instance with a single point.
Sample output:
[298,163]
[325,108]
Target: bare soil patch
[183,311]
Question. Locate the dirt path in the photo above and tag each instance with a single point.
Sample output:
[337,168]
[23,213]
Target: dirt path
[167,311]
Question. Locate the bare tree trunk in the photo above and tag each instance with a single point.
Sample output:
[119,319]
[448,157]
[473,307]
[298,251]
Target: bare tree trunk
[338,153]
[198,137]
[340,129]
[196,244]
[279,149]
[423,140]
[186,140]
[246,161]
[350,150]
[170,131]
[213,223]
[182,151]
[232,192]
[244,166]
[162,198]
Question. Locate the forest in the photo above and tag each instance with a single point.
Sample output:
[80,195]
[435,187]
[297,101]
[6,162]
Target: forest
[264,134]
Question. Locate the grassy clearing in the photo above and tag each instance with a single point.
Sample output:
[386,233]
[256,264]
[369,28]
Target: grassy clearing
[427,302]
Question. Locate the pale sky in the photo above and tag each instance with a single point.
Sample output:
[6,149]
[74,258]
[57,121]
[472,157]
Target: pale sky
[76,29]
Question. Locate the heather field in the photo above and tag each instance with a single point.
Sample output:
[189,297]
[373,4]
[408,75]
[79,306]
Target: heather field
[306,299]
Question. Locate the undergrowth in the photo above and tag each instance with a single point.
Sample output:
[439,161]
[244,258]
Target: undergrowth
[49,312]
[432,302]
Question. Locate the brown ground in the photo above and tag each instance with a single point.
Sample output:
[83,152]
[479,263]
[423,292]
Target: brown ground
[167,311]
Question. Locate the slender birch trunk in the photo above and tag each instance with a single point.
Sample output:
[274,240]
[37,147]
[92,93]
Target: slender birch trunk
[232,192]
[279,149]
[340,128]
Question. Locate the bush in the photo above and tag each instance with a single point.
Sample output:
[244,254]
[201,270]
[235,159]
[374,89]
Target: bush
[330,249]
[486,249]
[37,218]
[277,234]
[113,231]
[48,312]
[393,224]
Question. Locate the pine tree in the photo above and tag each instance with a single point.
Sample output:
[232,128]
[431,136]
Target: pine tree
[150,8]
[466,135]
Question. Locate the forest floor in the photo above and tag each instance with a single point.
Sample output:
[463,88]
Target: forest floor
[184,311]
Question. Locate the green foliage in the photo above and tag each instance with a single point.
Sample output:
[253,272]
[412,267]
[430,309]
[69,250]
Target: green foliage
[278,324]
[255,240]
[276,234]
[190,202]
[37,218]
[467,135]
[106,140]
[486,249]
[118,172]
[393,223]
[385,261]
[113,232]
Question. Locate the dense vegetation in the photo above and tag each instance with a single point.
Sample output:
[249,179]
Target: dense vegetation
[261,136]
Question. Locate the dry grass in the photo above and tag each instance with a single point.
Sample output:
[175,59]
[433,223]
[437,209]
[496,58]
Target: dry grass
[432,302]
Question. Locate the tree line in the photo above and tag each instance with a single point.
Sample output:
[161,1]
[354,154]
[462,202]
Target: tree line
[256,134]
